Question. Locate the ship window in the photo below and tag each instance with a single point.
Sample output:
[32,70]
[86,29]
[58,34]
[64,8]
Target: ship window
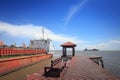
[45,41]
[31,42]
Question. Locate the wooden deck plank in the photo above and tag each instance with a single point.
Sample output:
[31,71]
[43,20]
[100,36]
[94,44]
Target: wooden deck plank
[78,68]
[81,67]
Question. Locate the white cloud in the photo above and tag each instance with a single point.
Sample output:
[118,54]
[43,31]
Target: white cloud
[73,10]
[109,45]
[35,32]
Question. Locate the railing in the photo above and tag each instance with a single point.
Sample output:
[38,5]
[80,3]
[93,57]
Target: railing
[10,51]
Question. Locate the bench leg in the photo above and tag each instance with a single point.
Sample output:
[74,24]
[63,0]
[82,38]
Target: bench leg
[45,70]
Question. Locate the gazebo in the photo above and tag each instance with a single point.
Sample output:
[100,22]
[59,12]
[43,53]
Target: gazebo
[68,45]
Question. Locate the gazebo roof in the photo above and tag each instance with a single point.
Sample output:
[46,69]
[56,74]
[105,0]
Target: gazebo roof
[68,44]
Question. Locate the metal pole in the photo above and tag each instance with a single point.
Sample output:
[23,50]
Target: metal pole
[43,32]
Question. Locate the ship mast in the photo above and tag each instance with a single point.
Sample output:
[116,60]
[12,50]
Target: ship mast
[43,32]
[0,35]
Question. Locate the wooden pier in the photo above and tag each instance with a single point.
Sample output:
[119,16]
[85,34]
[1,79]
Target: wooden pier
[78,68]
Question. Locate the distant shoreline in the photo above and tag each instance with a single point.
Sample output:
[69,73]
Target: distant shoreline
[82,50]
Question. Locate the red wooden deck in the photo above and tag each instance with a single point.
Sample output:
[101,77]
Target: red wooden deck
[79,68]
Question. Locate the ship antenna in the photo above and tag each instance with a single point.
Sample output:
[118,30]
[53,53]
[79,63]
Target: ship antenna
[43,32]
[0,35]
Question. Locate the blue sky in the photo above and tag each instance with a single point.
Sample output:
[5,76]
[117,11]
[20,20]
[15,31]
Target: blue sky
[88,23]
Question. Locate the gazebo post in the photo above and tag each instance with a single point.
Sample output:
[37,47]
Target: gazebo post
[73,51]
[64,51]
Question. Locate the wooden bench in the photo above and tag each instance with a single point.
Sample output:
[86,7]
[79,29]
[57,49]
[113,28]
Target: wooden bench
[55,69]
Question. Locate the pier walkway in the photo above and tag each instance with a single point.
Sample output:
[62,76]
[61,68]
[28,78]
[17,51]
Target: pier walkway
[78,68]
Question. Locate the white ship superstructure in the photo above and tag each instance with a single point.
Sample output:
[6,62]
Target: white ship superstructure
[40,44]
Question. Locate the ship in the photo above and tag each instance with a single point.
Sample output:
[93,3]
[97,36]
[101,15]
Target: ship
[35,47]
[39,46]
[21,56]
[91,49]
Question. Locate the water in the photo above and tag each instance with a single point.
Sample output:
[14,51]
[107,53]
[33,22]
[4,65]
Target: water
[111,59]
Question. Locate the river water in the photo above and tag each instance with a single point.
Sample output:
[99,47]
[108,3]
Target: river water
[111,63]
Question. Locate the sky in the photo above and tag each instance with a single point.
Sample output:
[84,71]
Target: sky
[87,23]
